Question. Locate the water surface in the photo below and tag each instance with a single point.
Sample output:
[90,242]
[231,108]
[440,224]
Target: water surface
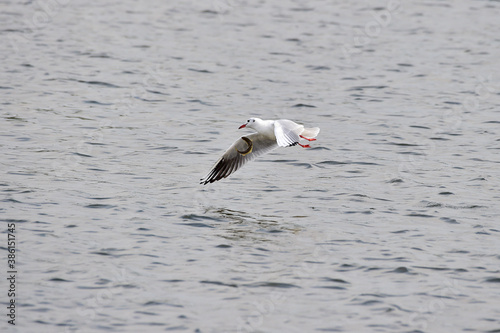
[111,113]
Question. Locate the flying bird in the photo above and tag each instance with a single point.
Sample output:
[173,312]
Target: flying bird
[270,135]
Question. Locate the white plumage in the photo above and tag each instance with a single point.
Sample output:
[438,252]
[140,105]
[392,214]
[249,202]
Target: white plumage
[270,135]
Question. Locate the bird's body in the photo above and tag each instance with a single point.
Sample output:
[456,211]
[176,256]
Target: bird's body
[270,135]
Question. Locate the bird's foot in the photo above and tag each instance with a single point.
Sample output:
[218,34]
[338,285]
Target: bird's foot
[303,137]
[304,146]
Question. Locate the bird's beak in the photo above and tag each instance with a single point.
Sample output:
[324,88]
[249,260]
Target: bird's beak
[242,126]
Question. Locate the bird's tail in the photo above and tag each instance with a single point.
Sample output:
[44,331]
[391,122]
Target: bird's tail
[310,132]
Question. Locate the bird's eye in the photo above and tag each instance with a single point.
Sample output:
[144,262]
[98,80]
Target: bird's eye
[248,120]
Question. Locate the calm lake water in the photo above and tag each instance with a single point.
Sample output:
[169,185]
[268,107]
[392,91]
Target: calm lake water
[111,112]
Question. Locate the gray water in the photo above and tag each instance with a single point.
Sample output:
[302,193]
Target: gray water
[111,112]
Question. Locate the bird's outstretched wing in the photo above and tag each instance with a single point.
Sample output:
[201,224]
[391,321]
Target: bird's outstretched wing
[287,132]
[242,151]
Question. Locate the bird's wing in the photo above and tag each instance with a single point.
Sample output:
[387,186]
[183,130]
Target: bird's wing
[287,132]
[242,151]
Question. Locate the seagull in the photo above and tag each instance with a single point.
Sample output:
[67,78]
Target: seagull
[270,135]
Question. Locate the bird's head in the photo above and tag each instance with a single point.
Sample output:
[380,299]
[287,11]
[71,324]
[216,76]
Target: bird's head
[251,123]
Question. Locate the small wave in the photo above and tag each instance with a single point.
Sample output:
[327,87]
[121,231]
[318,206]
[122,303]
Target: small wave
[100,206]
[272,285]
[196,224]
[360,88]
[200,70]
[99,83]
[218,283]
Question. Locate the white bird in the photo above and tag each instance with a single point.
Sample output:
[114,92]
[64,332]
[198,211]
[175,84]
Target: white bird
[270,135]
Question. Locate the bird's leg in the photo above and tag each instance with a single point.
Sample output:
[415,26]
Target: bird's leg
[303,137]
[304,146]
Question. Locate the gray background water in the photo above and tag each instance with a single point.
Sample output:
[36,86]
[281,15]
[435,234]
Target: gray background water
[112,111]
